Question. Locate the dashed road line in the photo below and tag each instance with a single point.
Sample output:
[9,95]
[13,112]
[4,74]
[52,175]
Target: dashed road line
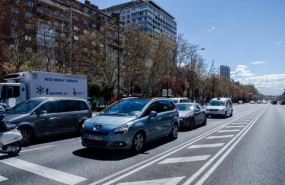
[225,131]
[239,123]
[167,181]
[56,175]
[219,137]
[37,148]
[237,126]
[207,146]
[2,178]
[185,159]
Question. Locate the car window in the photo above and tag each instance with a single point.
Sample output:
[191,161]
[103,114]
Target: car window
[67,106]
[24,107]
[216,103]
[50,107]
[165,105]
[82,105]
[153,107]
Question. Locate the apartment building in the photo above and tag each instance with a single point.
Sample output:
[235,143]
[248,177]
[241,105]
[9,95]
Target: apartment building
[147,16]
[33,26]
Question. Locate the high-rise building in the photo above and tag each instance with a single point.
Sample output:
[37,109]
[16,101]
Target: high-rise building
[225,72]
[147,16]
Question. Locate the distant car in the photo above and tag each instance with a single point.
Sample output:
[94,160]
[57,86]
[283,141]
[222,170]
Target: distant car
[220,107]
[181,100]
[252,102]
[48,116]
[131,123]
[274,102]
[282,102]
[191,115]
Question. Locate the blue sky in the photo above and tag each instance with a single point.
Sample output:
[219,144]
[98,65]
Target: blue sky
[246,35]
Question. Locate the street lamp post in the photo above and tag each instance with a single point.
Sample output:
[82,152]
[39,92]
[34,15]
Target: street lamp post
[192,71]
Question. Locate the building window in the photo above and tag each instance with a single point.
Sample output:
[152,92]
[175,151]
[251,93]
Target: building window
[28,26]
[29,50]
[85,31]
[93,26]
[29,3]
[28,38]
[13,35]
[14,22]
[75,28]
[28,15]
[15,10]
[76,37]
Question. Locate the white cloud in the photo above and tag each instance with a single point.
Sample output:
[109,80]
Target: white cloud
[258,62]
[272,84]
[211,29]
[278,42]
[241,71]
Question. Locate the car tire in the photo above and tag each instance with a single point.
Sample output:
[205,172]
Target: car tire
[205,121]
[192,124]
[28,136]
[231,115]
[138,142]
[18,147]
[226,114]
[174,132]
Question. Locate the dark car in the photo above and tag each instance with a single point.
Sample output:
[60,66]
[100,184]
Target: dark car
[282,102]
[191,115]
[131,123]
[274,102]
[41,117]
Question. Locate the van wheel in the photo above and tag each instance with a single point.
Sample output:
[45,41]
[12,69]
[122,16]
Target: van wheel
[28,136]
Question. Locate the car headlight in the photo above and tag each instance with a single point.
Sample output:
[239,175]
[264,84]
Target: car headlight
[123,129]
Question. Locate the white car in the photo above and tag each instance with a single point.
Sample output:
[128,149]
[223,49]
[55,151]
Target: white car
[220,107]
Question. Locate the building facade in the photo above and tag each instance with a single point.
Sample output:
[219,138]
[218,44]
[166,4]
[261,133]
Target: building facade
[51,29]
[147,16]
[225,72]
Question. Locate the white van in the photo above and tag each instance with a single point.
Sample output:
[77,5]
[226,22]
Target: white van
[220,106]
[181,100]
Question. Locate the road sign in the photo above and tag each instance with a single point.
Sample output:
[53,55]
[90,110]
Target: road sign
[166,92]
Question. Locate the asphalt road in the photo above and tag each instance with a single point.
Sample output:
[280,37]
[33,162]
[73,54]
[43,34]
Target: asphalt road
[247,148]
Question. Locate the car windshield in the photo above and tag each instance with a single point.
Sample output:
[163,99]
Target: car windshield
[129,107]
[24,107]
[216,103]
[185,107]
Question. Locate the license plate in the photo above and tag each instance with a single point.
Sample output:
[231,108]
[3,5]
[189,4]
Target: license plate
[97,138]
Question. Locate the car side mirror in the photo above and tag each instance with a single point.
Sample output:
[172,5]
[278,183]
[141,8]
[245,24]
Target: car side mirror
[39,112]
[152,114]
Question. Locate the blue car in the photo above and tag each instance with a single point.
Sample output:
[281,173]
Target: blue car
[131,123]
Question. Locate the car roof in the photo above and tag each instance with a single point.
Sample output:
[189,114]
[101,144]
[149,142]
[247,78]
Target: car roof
[222,98]
[56,98]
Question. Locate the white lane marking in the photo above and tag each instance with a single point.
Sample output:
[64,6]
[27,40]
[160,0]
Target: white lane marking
[141,165]
[167,181]
[218,137]
[2,178]
[237,126]
[37,148]
[207,145]
[242,123]
[222,158]
[225,131]
[185,159]
[203,168]
[56,175]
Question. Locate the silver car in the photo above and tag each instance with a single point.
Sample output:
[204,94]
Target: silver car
[131,123]
[220,107]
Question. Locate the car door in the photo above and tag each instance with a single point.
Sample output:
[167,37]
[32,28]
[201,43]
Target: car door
[199,114]
[151,123]
[166,114]
[46,118]
[69,116]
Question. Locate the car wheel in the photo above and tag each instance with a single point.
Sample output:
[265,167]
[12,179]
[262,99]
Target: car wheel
[231,115]
[138,142]
[192,124]
[174,132]
[226,114]
[28,136]
[205,121]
